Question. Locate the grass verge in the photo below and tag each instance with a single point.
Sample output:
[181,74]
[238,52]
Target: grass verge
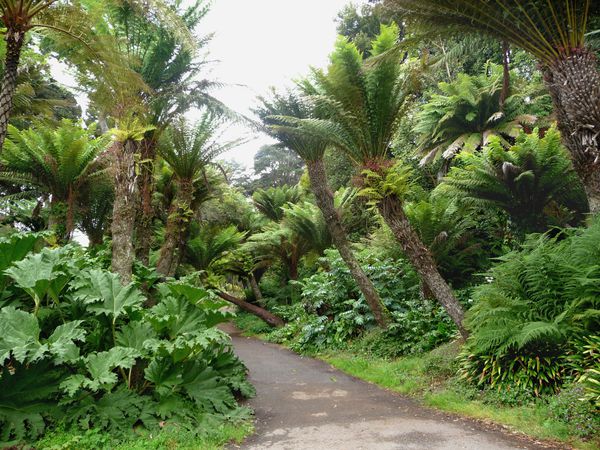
[165,439]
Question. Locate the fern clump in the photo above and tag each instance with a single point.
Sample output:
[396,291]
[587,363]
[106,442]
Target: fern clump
[78,347]
[527,323]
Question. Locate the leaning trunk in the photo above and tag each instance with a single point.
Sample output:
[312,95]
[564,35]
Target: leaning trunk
[177,223]
[421,259]
[255,288]
[14,43]
[265,315]
[574,84]
[123,217]
[143,230]
[324,198]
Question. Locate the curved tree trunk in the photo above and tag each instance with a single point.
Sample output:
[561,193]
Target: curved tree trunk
[123,216]
[143,226]
[324,197]
[177,223]
[574,84]
[255,288]
[14,44]
[265,315]
[421,259]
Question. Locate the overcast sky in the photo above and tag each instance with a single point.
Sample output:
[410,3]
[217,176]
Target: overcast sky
[263,43]
[258,44]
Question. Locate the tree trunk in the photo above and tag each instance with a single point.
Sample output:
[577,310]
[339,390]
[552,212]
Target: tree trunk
[14,44]
[145,216]
[324,198]
[254,287]
[574,84]
[177,223]
[123,217]
[265,315]
[57,219]
[421,259]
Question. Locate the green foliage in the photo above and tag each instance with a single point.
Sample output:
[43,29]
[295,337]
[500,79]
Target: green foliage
[580,416]
[94,358]
[270,202]
[467,113]
[541,300]
[333,310]
[533,181]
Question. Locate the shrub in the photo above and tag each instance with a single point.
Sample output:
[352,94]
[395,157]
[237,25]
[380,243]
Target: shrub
[73,339]
[334,312]
[580,415]
[540,302]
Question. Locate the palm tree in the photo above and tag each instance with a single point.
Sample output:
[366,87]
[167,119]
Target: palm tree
[554,32]
[187,150]
[311,150]
[467,113]
[60,161]
[363,105]
[533,181]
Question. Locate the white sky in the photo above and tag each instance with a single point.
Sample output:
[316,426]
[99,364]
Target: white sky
[263,43]
[258,44]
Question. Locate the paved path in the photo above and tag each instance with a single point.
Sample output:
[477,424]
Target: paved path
[303,403]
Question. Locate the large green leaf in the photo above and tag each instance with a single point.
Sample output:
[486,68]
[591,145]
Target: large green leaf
[14,248]
[100,370]
[20,337]
[27,396]
[208,390]
[135,334]
[104,294]
[43,274]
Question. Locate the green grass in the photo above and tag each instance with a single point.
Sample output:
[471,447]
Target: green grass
[165,439]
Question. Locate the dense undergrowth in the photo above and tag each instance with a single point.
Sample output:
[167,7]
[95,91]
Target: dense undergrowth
[103,363]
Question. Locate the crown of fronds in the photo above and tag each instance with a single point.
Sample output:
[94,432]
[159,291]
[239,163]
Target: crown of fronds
[189,148]
[528,180]
[54,159]
[548,29]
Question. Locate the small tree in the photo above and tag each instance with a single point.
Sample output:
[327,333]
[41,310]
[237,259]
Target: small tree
[62,162]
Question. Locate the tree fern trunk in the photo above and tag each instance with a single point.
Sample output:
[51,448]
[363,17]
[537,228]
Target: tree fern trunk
[14,44]
[265,315]
[574,84]
[177,223]
[324,197]
[145,216]
[123,216]
[421,259]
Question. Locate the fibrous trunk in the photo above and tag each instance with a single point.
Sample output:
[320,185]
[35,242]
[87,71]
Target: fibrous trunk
[177,223]
[265,315]
[421,259]
[14,43]
[123,217]
[574,84]
[324,198]
[145,216]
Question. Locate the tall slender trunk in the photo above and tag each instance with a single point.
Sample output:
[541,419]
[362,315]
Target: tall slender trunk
[177,223]
[421,259]
[265,315]
[324,198]
[143,229]
[123,217]
[574,84]
[14,44]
